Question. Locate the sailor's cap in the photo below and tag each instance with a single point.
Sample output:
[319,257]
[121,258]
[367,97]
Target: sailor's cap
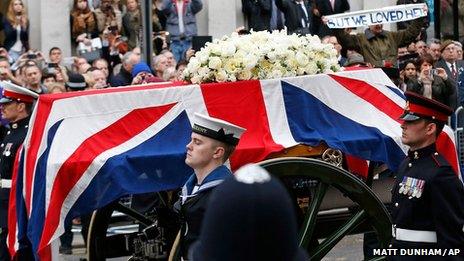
[217,129]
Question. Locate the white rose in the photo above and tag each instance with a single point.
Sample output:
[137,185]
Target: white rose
[215,63]
[250,61]
[244,75]
[215,48]
[196,79]
[193,65]
[203,72]
[301,59]
[227,49]
[276,74]
[221,76]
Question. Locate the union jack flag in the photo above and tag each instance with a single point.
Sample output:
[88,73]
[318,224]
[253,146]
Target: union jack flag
[87,149]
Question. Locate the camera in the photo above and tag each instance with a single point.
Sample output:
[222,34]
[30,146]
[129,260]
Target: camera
[113,29]
[31,56]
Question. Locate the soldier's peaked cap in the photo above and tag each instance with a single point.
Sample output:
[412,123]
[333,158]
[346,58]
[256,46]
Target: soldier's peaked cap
[420,107]
[217,129]
[13,92]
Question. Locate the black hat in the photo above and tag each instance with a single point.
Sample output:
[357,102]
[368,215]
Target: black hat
[391,72]
[420,107]
[217,129]
[76,82]
[249,217]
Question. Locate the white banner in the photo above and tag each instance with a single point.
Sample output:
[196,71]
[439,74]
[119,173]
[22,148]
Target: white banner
[386,15]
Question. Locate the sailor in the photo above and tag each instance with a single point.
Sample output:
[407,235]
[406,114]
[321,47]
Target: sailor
[212,142]
[428,197]
[16,107]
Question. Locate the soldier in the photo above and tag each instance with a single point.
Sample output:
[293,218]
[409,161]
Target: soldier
[213,141]
[250,217]
[428,197]
[16,107]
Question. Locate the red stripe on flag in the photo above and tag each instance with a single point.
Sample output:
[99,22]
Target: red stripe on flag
[445,145]
[12,206]
[71,171]
[371,95]
[357,166]
[242,103]
[45,103]
[43,108]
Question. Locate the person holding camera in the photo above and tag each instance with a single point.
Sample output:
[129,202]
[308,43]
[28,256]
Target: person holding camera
[107,16]
[181,24]
[83,23]
[5,71]
[432,83]
[16,29]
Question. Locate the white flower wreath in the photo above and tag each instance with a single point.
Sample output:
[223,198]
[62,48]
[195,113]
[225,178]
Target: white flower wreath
[261,55]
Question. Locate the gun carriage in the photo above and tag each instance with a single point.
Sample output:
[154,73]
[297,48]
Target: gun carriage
[331,203]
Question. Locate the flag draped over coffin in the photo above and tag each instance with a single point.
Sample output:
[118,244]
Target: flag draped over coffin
[86,149]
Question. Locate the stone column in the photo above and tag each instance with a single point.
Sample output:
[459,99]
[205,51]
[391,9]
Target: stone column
[222,17]
[50,26]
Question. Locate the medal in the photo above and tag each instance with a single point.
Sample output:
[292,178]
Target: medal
[407,187]
[420,188]
[413,186]
[7,151]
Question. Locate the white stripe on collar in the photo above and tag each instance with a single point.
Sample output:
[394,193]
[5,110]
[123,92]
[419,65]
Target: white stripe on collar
[201,188]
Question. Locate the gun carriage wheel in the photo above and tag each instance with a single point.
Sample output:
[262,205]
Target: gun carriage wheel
[321,192]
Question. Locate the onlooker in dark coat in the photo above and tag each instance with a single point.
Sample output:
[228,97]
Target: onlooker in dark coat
[437,86]
[16,23]
[258,14]
[298,15]
[327,7]
[83,23]
[449,60]
[131,22]
[379,46]
[124,77]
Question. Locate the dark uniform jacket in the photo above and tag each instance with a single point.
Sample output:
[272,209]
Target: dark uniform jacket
[428,196]
[193,205]
[10,144]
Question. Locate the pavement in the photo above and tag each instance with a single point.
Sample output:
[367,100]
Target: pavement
[350,248]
